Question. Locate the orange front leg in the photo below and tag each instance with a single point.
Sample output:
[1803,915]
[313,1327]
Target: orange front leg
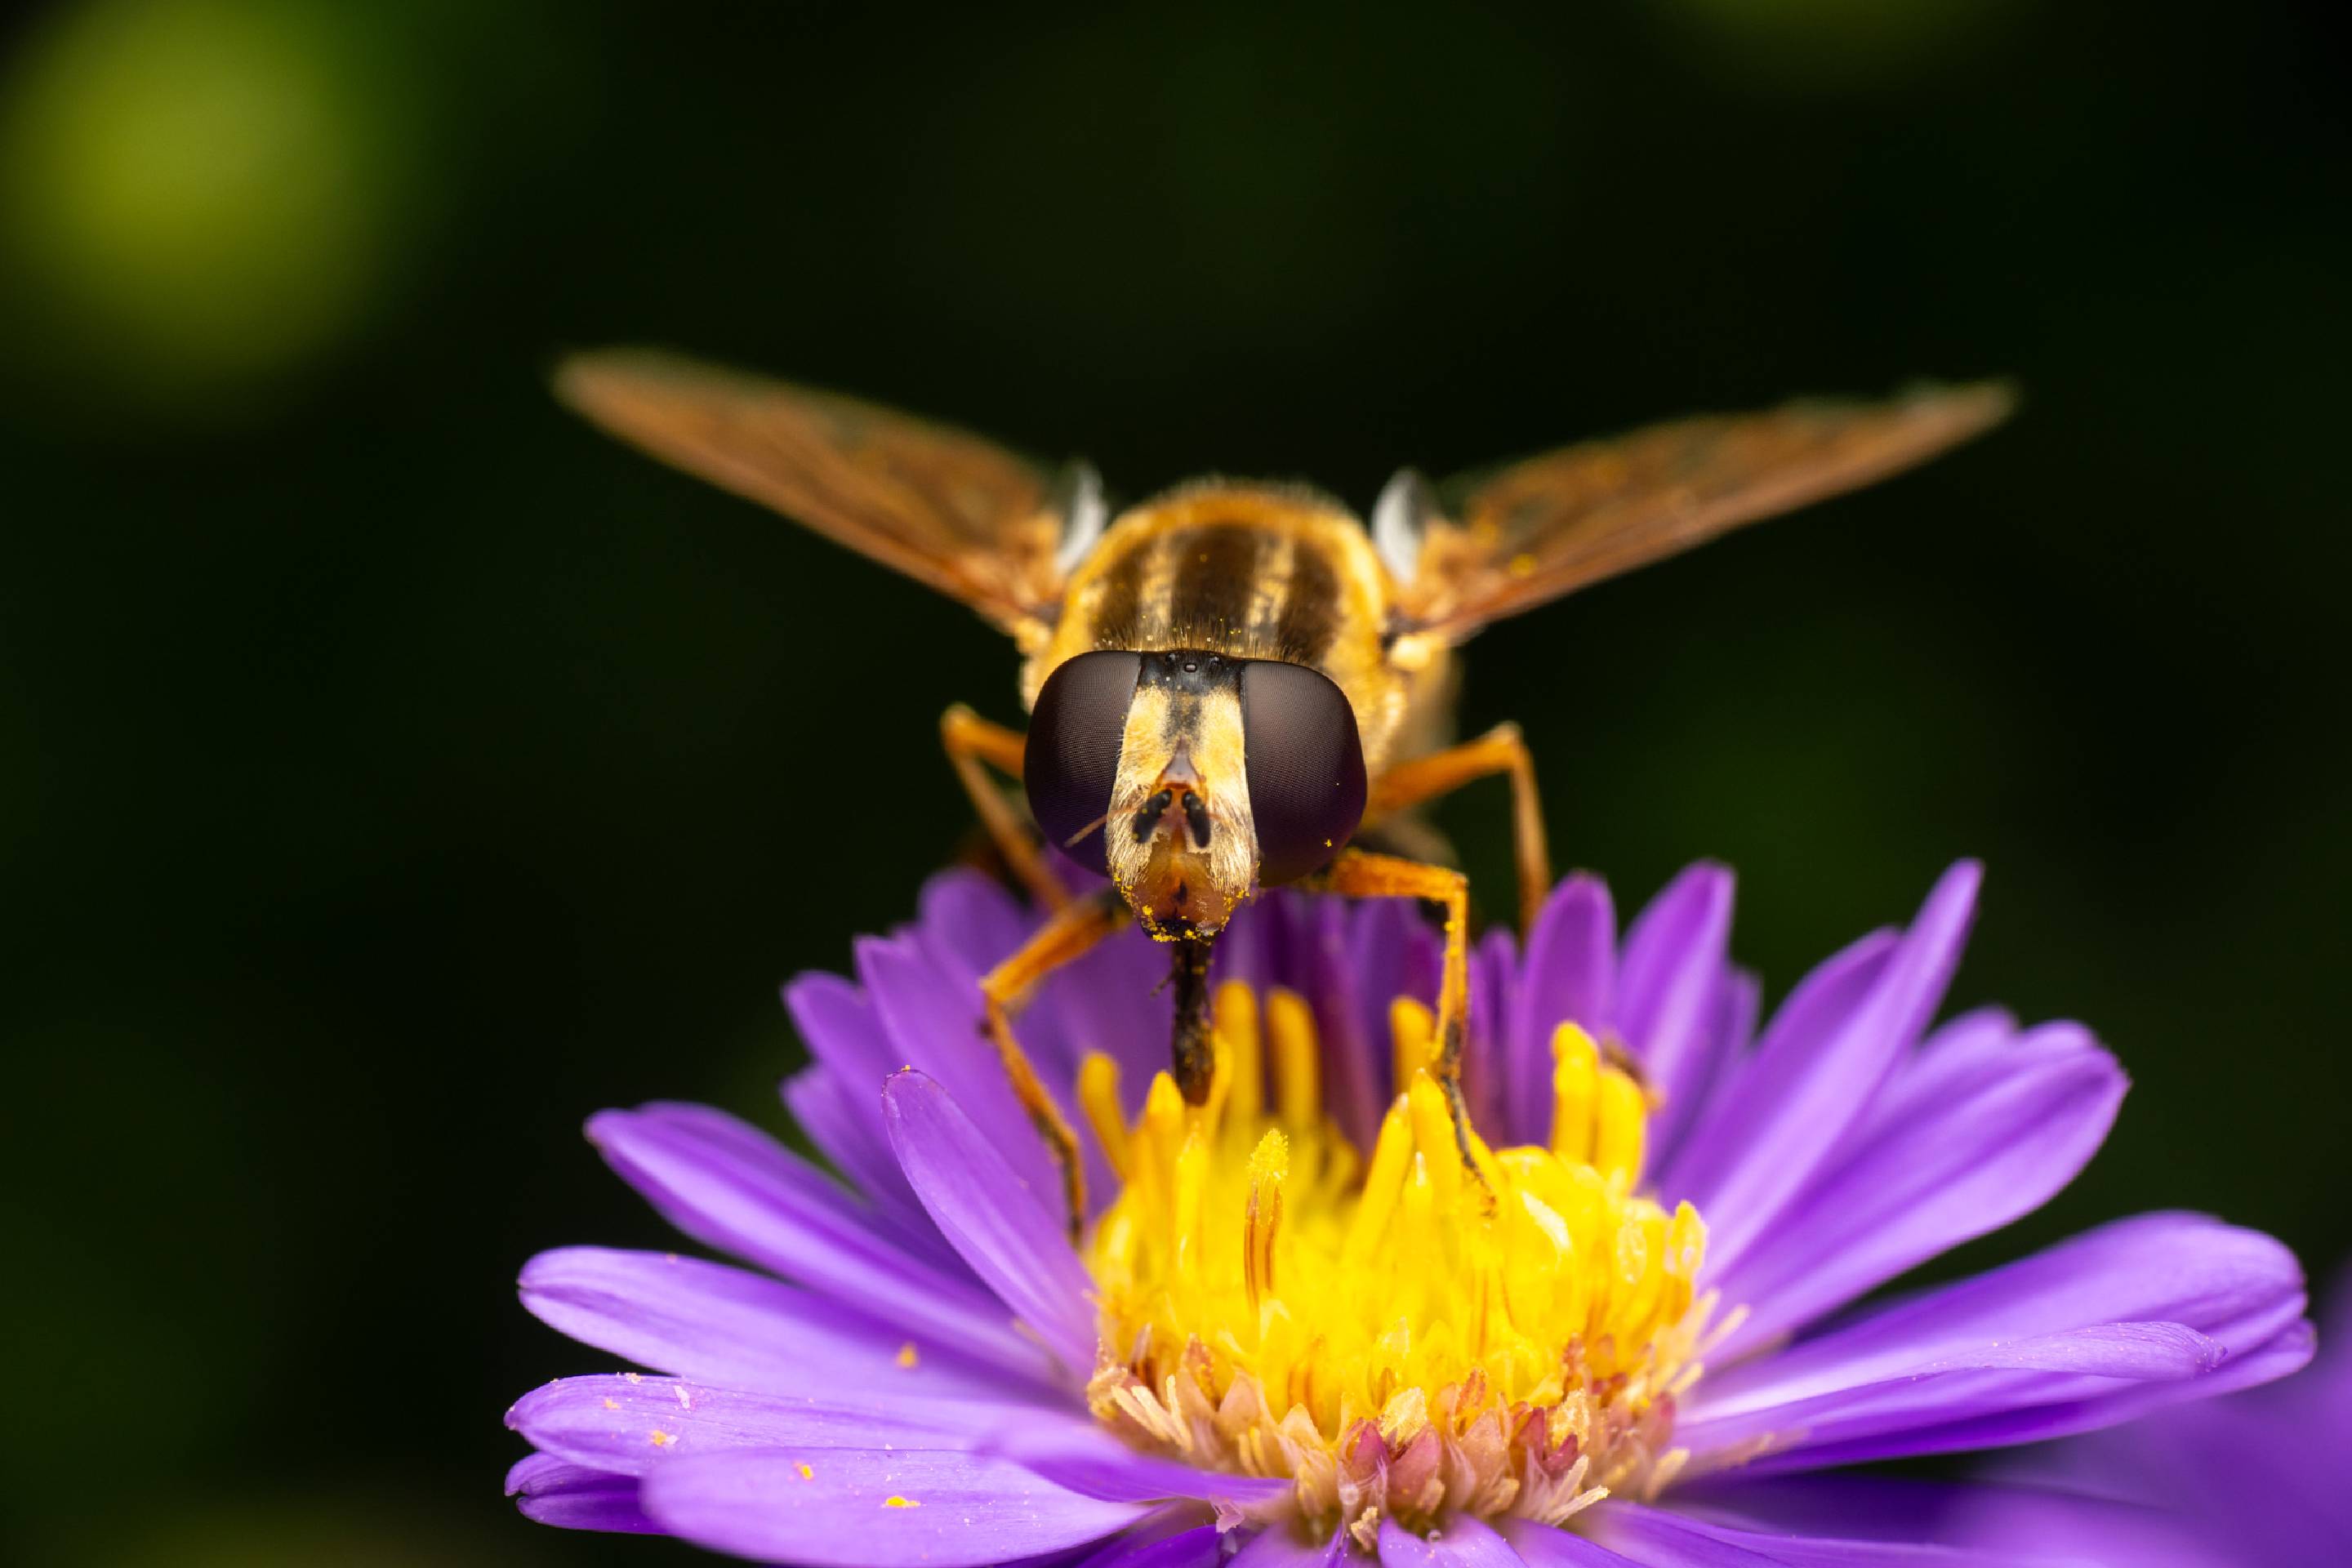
[1067,936]
[1359,874]
[971,741]
[1501,750]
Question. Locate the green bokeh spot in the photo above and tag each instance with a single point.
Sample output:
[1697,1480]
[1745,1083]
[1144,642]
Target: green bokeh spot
[1805,47]
[195,192]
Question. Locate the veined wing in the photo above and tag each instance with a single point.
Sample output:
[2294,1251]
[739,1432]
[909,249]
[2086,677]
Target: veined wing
[940,505]
[1551,524]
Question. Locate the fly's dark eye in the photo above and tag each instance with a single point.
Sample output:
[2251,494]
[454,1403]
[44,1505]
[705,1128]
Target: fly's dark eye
[1305,767]
[1076,734]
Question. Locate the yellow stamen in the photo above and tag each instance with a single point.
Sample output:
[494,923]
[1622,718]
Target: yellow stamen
[1620,1126]
[1220,1080]
[1297,1065]
[1433,1135]
[1575,1088]
[1390,1152]
[1415,1034]
[1269,1164]
[1098,1098]
[1415,1344]
[1236,1026]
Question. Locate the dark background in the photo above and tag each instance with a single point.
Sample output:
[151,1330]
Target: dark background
[392,773]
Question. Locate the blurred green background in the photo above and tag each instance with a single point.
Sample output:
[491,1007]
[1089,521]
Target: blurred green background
[391,771]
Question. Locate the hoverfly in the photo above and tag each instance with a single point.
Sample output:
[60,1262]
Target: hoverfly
[1228,682]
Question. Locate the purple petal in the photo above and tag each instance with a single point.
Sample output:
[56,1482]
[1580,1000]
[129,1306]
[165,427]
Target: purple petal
[627,1424]
[2259,1478]
[1675,955]
[1807,1024]
[1570,975]
[1200,1547]
[2078,1328]
[1955,1055]
[1463,1544]
[1542,1546]
[1660,1539]
[1089,1461]
[2173,1268]
[935,1024]
[1999,1414]
[1115,1000]
[823,1112]
[717,1325]
[1355,1071]
[1820,1062]
[728,1184]
[1487,1045]
[1257,948]
[970,921]
[1995,1142]
[1276,1547]
[848,1046]
[1975,1522]
[955,1510]
[550,1491]
[989,1215]
[1731,1029]
[1390,952]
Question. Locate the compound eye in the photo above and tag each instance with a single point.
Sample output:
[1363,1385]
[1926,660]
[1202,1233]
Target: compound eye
[1076,734]
[1305,767]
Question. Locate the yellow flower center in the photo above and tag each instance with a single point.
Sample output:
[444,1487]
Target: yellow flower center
[1402,1336]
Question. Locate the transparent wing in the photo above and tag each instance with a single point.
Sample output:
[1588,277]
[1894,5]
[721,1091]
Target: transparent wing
[940,505]
[1532,531]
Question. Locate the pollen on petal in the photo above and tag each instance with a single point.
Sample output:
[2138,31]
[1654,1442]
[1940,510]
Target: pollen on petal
[806,1473]
[895,1502]
[907,1356]
[662,1439]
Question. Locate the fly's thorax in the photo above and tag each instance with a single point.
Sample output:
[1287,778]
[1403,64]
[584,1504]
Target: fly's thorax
[1180,842]
[1246,572]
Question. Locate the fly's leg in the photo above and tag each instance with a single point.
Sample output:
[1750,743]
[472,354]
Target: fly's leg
[1500,750]
[1361,875]
[971,742]
[1066,936]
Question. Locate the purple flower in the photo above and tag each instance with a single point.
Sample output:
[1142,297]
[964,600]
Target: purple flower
[2256,1481]
[1298,1330]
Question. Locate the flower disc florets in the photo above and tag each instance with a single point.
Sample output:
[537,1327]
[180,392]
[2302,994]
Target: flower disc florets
[1407,1335]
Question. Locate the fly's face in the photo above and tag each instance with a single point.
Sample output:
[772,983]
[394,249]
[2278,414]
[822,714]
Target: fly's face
[1192,779]
[1181,844]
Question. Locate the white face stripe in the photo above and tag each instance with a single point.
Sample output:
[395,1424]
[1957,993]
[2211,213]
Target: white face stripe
[1148,872]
